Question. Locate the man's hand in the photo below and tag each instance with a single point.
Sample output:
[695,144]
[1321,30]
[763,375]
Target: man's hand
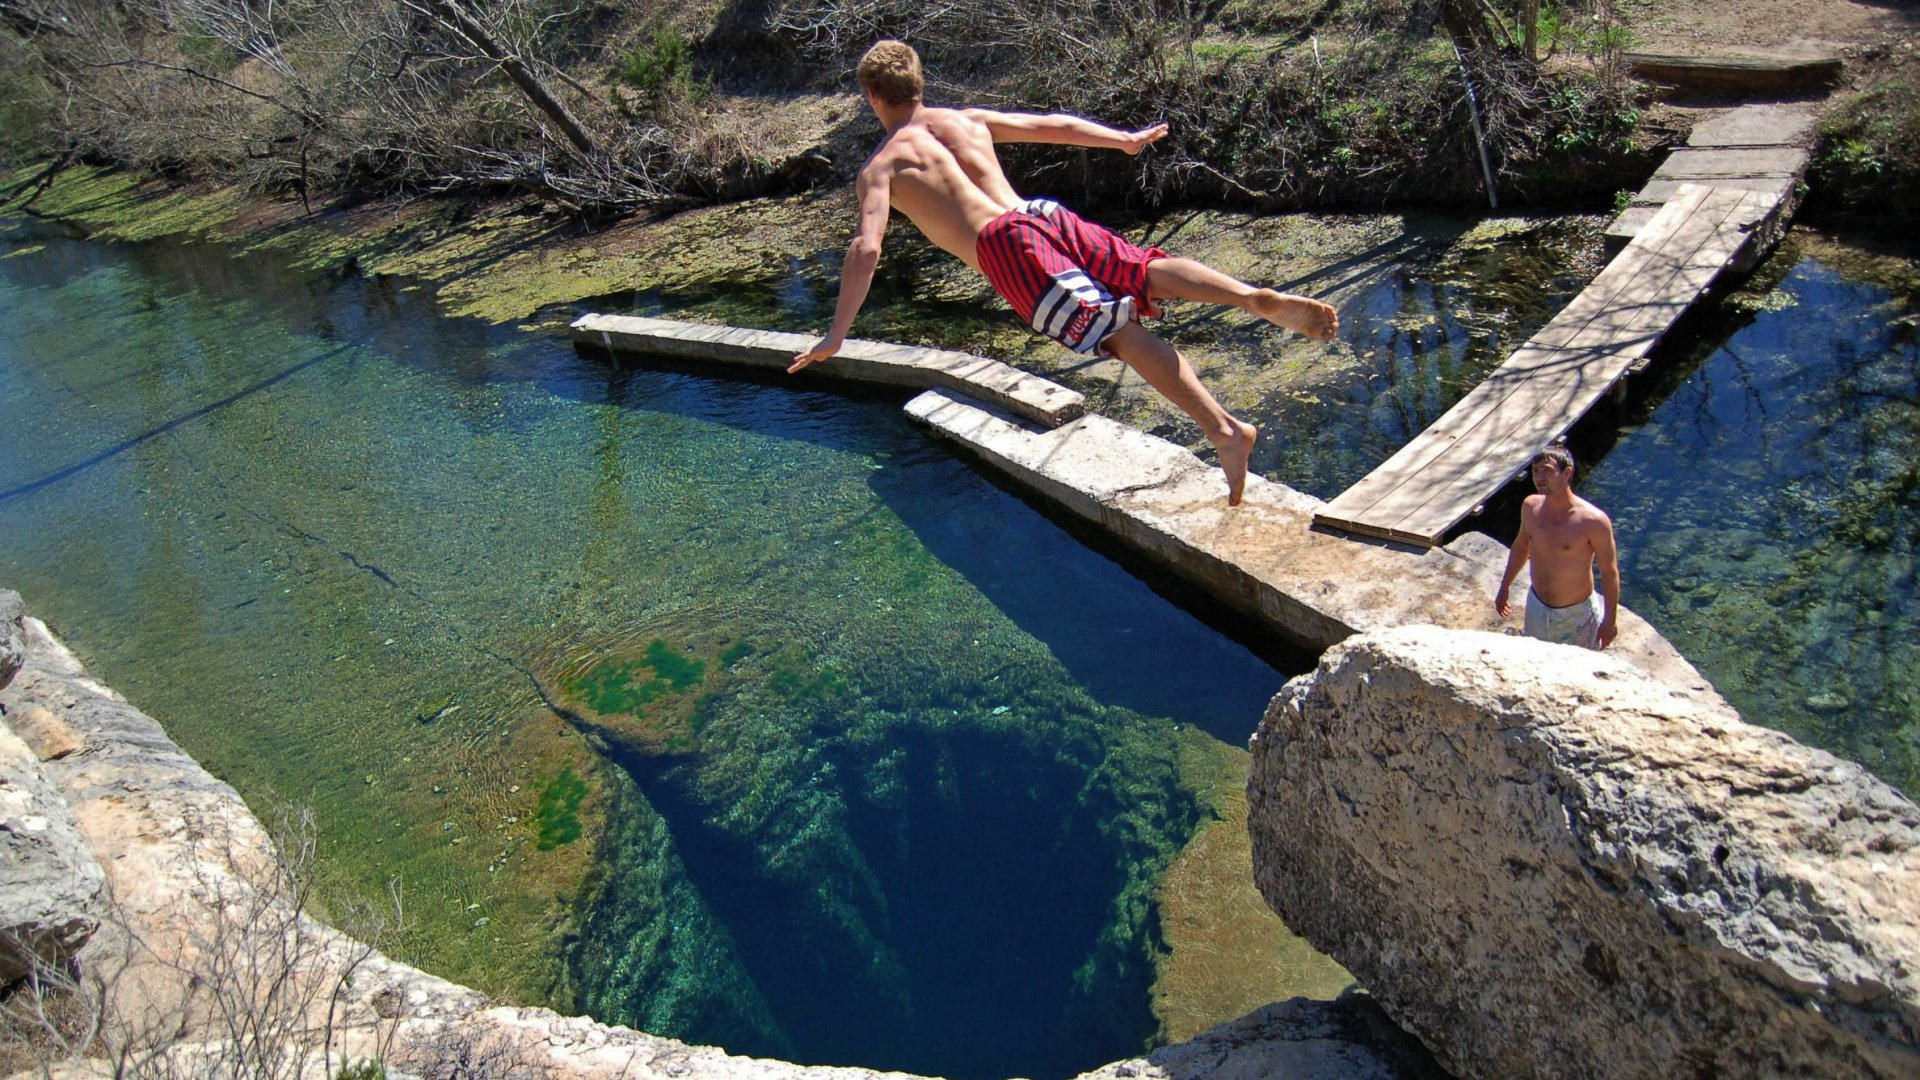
[1609,629]
[1500,602]
[1139,140]
[822,349]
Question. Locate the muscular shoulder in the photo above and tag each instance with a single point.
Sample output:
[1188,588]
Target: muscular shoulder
[948,122]
[1592,515]
[900,147]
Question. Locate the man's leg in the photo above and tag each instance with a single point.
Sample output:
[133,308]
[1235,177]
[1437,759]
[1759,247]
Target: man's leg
[1168,372]
[1189,279]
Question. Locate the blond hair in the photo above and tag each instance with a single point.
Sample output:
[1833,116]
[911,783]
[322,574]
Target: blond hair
[891,72]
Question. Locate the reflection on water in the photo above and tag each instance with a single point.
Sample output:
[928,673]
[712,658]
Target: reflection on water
[1767,497]
[1427,330]
[743,713]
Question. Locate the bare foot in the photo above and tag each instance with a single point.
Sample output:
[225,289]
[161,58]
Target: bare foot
[1234,452]
[1297,313]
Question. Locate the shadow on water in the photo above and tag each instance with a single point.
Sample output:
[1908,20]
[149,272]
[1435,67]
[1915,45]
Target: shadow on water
[161,429]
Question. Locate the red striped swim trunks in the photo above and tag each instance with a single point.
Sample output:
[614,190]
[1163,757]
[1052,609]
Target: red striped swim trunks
[1070,279]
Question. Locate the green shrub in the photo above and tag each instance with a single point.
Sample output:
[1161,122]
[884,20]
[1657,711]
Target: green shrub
[1868,157]
[661,68]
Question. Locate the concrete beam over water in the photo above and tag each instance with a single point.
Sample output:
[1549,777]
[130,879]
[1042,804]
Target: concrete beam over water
[862,361]
[1263,557]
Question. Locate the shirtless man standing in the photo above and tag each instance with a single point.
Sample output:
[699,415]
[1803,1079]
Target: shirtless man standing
[1071,280]
[1564,535]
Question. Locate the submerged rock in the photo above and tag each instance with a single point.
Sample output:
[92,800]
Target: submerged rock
[1545,864]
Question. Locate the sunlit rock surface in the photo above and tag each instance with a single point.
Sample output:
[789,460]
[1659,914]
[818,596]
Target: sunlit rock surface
[12,647]
[1544,863]
[49,881]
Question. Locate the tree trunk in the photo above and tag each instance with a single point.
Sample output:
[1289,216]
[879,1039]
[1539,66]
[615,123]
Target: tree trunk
[468,27]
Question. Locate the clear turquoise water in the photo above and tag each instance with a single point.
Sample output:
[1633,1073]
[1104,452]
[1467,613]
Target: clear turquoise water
[342,547]
[1766,493]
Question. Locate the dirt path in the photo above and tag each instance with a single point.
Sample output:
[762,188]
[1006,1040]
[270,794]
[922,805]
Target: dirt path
[1791,28]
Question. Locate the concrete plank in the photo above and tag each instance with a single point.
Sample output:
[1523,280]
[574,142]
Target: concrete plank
[1436,480]
[1713,164]
[1548,405]
[1263,557]
[1656,193]
[1772,124]
[1361,501]
[875,362]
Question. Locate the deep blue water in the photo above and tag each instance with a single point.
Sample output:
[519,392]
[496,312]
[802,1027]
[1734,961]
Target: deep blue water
[908,815]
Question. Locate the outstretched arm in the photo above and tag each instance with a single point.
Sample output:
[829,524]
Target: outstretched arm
[1065,130]
[856,273]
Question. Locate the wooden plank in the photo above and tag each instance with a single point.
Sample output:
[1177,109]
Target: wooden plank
[1732,72]
[1553,379]
[1557,401]
[1547,404]
[1414,457]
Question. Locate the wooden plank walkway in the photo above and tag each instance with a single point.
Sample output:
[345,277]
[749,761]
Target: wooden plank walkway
[1450,469]
[1762,147]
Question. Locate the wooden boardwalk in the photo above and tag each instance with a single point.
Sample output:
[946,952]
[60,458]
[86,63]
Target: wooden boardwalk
[1764,147]
[1485,440]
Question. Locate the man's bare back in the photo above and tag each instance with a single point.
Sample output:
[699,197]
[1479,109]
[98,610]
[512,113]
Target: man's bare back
[939,168]
[926,182]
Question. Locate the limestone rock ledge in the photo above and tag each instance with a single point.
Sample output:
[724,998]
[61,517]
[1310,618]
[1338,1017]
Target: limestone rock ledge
[1545,864]
[13,648]
[49,881]
[196,887]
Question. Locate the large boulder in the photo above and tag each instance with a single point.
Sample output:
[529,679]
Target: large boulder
[49,881]
[13,648]
[1545,864]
